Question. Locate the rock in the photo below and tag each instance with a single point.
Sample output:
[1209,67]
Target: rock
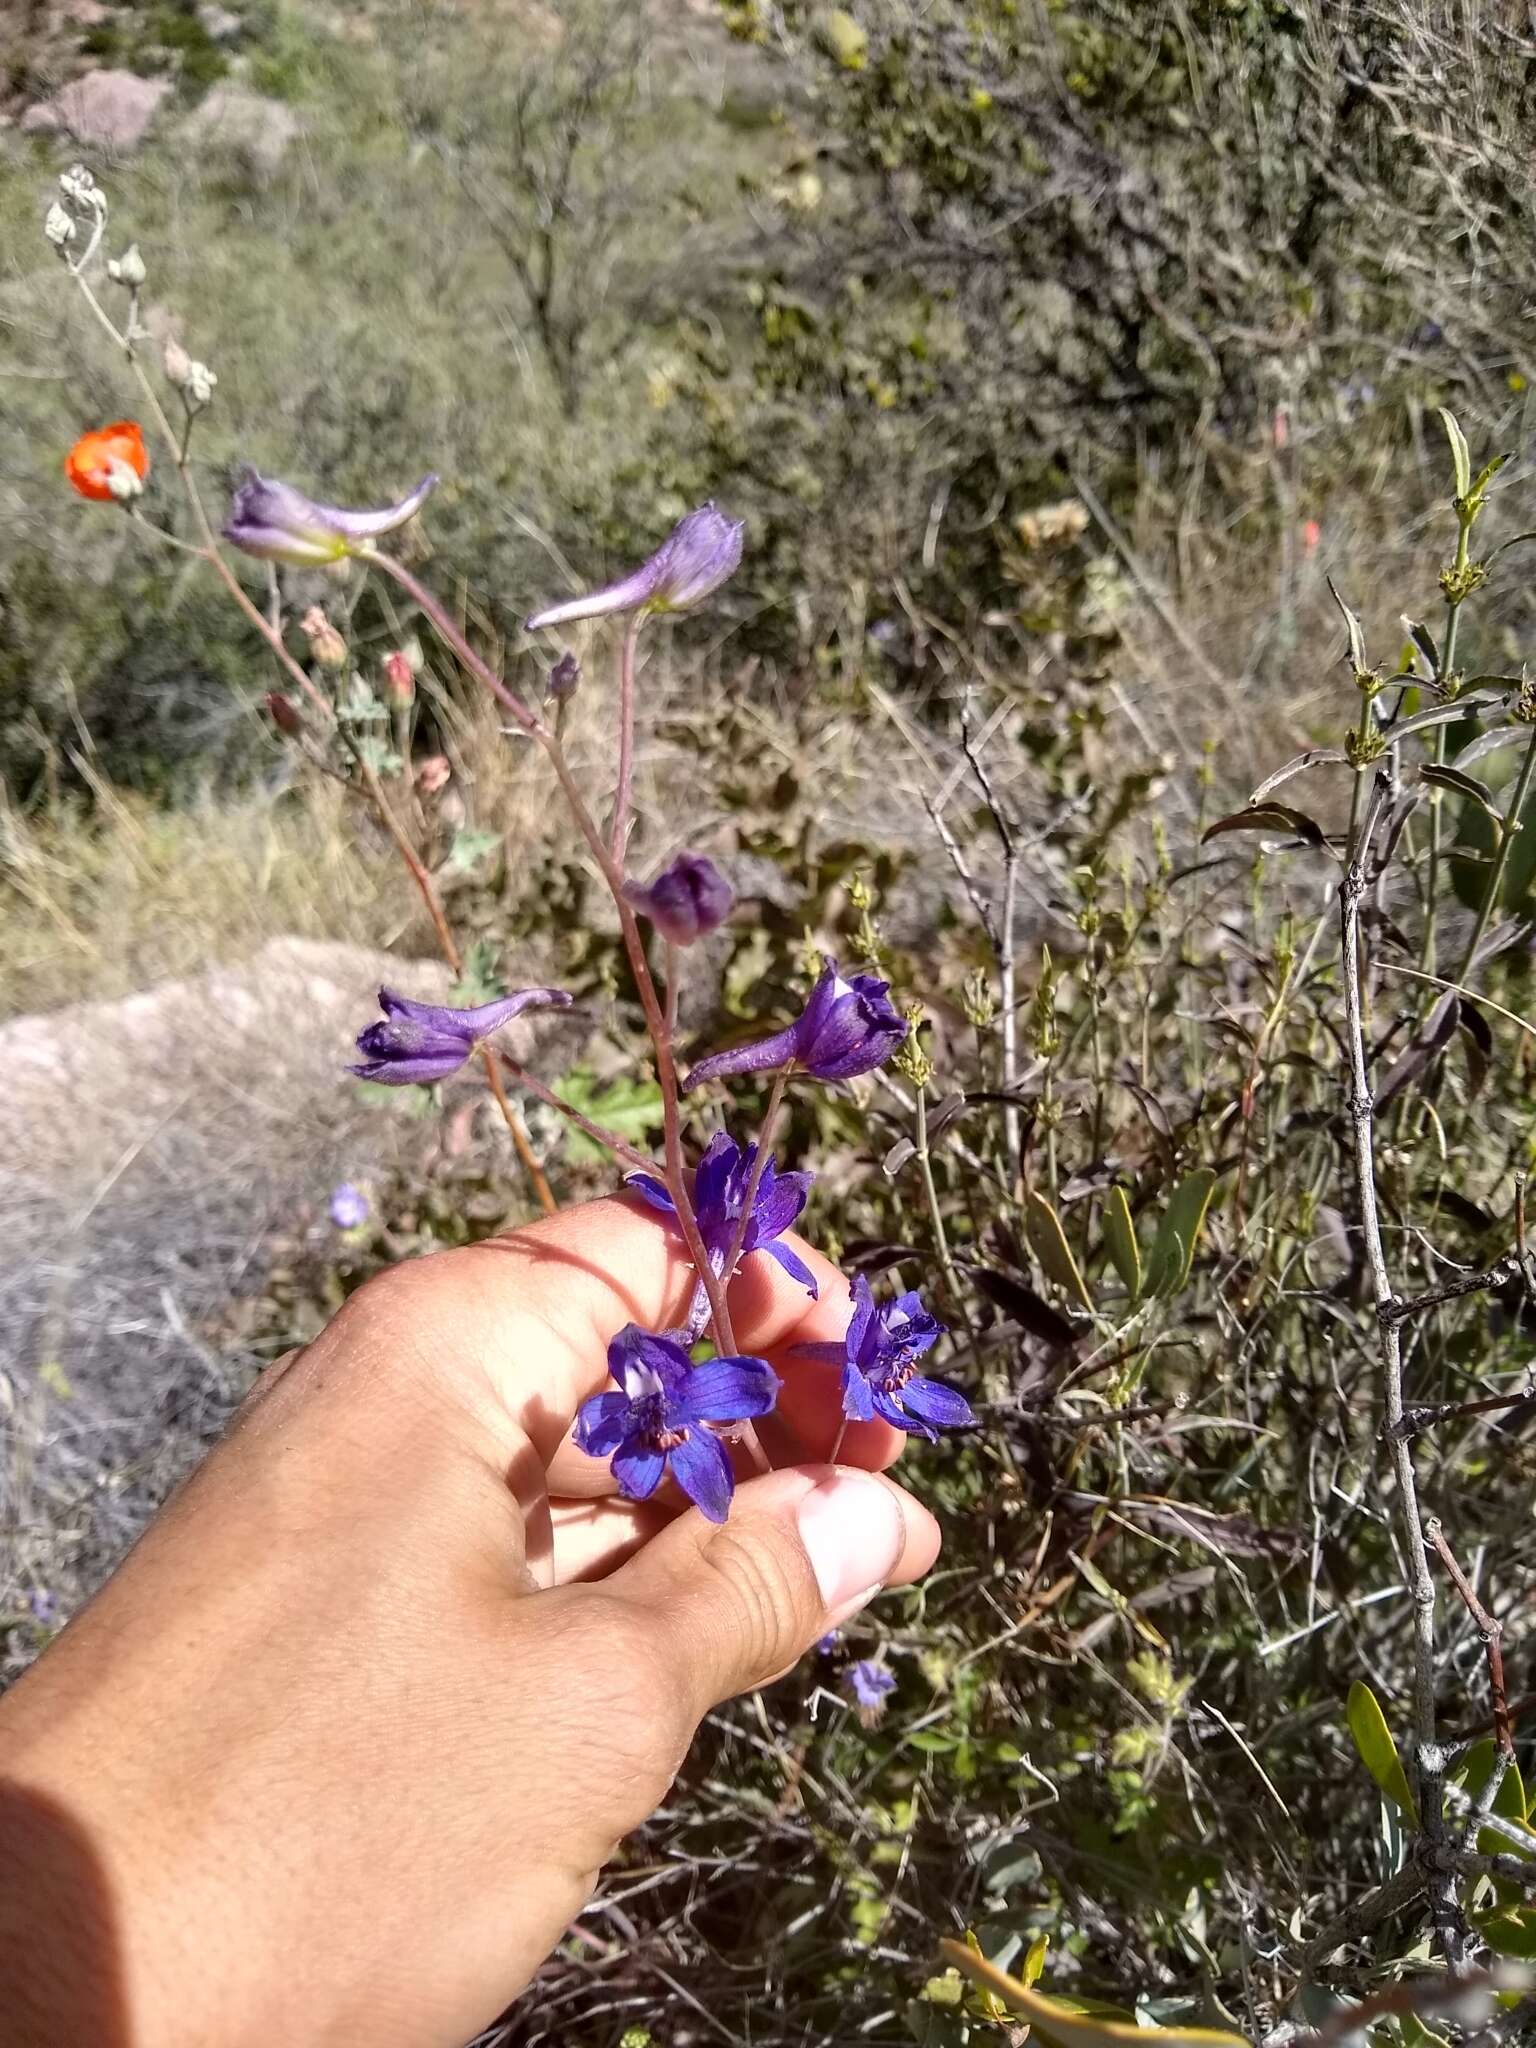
[84,13]
[108,109]
[255,127]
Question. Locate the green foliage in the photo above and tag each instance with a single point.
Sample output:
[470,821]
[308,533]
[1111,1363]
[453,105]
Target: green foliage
[1378,1751]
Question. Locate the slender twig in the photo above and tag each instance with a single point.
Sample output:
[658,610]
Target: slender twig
[1509,825]
[1364,1915]
[1416,1420]
[1491,1631]
[1429,1759]
[1003,940]
[1492,1281]
[598,1133]
[764,1153]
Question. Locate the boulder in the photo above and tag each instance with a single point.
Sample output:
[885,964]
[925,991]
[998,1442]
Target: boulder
[255,127]
[105,109]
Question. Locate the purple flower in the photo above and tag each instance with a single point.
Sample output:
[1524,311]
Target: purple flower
[870,1682]
[44,1606]
[879,1355]
[657,1423]
[695,558]
[279,524]
[687,900]
[846,1028]
[348,1206]
[419,1043]
[719,1193]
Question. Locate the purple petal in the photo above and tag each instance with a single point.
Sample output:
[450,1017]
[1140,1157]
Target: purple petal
[797,1269]
[635,1351]
[651,1190]
[757,1057]
[477,1022]
[859,1399]
[722,1161]
[862,1320]
[778,1205]
[627,595]
[638,1469]
[889,1411]
[600,1424]
[703,1470]
[726,1390]
[937,1404]
[363,526]
[275,522]
[410,1072]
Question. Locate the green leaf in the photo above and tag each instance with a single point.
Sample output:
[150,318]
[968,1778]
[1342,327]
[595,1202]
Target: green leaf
[842,38]
[631,1109]
[1461,784]
[52,1375]
[1459,454]
[1120,1240]
[479,981]
[1060,2027]
[1511,1931]
[1357,657]
[1378,1752]
[469,848]
[1173,1249]
[1051,1247]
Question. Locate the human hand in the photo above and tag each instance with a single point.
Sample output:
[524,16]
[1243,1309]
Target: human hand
[338,1753]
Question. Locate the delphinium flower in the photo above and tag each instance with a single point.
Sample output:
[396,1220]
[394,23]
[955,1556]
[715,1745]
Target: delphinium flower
[689,899]
[871,1684]
[659,1420]
[418,1043]
[43,1606]
[848,1026]
[112,462]
[878,1357]
[719,1196]
[277,523]
[348,1206]
[564,679]
[696,557]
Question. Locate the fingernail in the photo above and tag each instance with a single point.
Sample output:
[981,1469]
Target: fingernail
[853,1535]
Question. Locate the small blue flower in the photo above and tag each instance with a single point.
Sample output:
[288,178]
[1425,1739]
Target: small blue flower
[848,1026]
[657,1422]
[719,1192]
[696,557]
[44,1606]
[276,523]
[870,1682]
[829,1644]
[348,1206]
[418,1043]
[878,1357]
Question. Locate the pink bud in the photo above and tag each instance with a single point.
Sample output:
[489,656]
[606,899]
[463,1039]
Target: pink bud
[399,682]
[433,775]
[1311,534]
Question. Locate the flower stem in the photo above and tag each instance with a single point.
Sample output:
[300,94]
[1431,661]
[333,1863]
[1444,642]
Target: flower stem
[931,1195]
[449,632]
[1444,669]
[619,830]
[765,1139]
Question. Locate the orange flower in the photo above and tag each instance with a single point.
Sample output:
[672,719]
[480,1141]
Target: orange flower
[88,465]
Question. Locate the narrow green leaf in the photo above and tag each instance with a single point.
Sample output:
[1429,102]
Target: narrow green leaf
[1461,784]
[1120,1240]
[1051,1247]
[1378,1752]
[1357,658]
[1459,454]
[1173,1249]
[1060,2027]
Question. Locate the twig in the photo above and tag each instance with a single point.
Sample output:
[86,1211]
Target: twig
[1492,1633]
[598,1133]
[1496,1277]
[1002,939]
[1364,1915]
[1429,1759]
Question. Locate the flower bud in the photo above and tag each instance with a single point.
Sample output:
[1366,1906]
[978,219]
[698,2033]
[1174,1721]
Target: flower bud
[689,898]
[433,775]
[176,363]
[81,190]
[399,678]
[199,386]
[325,643]
[564,677]
[59,228]
[128,269]
[284,713]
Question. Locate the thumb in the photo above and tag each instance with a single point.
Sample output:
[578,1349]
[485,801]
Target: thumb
[731,1606]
